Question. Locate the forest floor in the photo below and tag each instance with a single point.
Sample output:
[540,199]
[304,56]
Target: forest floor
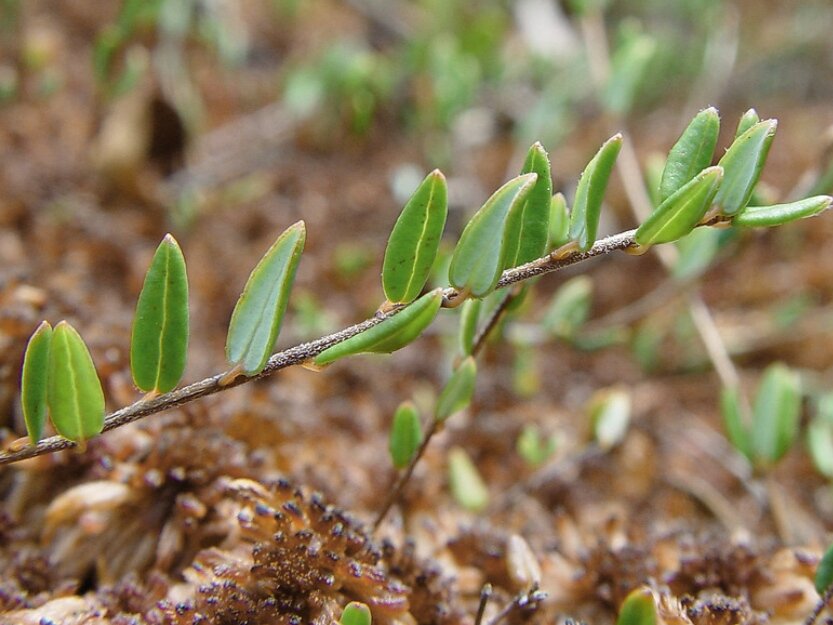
[173,519]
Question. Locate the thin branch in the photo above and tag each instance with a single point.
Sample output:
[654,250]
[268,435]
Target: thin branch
[823,602]
[306,351]
[526,600]
[485,595]
[396,491]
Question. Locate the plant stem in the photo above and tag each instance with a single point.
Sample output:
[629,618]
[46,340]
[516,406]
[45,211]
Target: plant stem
[485,595]
[825,599]
[524,600]
[396,491]
[306,351]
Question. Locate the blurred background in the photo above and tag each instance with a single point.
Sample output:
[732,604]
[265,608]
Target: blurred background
[225,121]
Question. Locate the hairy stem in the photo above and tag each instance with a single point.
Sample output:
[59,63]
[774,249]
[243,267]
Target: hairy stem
[306,351]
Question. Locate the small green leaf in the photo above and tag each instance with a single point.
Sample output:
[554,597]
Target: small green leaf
[742,165]
[415,239]
[680,213]
[746,121]
[34,381]
[559,221]
[692,153]
[405,434]
[775,414]
[532,448]
[478,259]
[391,334]
[820,444]
[159,343]
[257,317]
[697,251]
[777,214]
[469,316]
[610,413]
[629,65]
[824,572]
[528,222]
[569,308]
[458,391]
[467,487]
[638,608]
[355,613]
[587,205]
[74,394]
[736,430]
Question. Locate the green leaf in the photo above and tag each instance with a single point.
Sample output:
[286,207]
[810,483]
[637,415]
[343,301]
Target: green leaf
[74,394]
[528,222]
[824,572]
[559,221]
[746,121]
[467,487]
[610,414]
[469,316]
[737,432]
[777,214]
[628,68]
[697,250]
[391,334]
[355,613]
[257,317]
[638,608]
[775,414]
[159,343]
[587,205]
[742,165]
[415,239]
[405,434]
[569,308]
[34,381]
[820,445]
[478,259]
[532,448]
[458,391]
[680,213]
[692,153]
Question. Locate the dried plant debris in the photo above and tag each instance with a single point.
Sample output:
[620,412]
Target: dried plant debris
[299,561]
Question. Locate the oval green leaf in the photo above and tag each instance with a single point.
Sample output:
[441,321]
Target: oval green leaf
[414,240]
[469,316]
[680,213]
[391,334]
[692,153]
[742,165]
[775,414]
[746,121]
[477,262]
[528,223]
[569,308]
[355,613]
[467,487]
[159,343]
[820,446]
[458,391]
[587,205]
[777,214]
[405,434]
[610,415]
[638,608]
[736,430]
[34,381]
[559,221]
[824,572]
[257,317]
[74,394]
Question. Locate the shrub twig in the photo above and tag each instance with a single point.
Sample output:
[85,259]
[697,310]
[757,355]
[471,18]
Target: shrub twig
[306,351]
